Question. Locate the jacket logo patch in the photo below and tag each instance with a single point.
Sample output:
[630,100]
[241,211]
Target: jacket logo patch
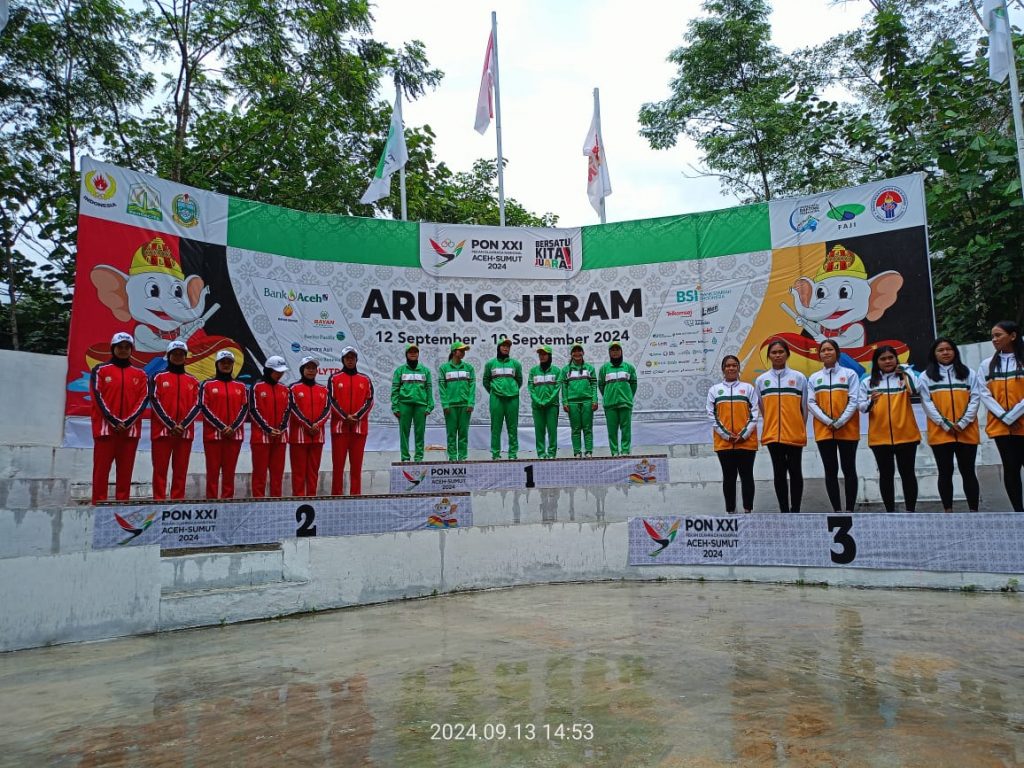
[107,379]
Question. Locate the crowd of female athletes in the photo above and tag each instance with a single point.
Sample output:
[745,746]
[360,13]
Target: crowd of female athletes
[297,418]
[835,396]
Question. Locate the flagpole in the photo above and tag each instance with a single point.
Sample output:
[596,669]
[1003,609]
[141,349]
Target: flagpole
[597,121]
[401,171]
[1018,119]
[497,122]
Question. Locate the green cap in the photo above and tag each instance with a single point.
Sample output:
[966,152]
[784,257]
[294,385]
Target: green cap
[412,346]
[576,346]
[458,345]
[614,344]
[504,340]
[544,348]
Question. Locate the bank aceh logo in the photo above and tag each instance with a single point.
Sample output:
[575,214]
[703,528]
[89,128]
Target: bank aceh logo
[442,250]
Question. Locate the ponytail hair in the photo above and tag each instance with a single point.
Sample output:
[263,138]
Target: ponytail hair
[876,372]
[962,371]
[727,358]
[1018,349]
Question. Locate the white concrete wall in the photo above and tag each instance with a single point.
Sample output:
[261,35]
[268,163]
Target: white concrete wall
[32,406]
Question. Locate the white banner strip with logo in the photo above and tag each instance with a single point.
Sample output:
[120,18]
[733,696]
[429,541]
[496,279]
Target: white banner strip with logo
[140,200]
[983,543]
[216,523]
[448,477]
[520,253]
[851,212]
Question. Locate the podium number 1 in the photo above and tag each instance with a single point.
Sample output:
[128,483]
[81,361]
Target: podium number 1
[528,469]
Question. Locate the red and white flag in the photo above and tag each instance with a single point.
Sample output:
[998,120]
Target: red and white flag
[485,101]
[599,185]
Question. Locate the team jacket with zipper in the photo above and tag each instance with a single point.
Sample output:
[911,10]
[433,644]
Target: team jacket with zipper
[834,395]
[225,404]
[268,409]
[174,398]
[350,396]
[951,401]
[732,407]
[1003,396]
[119,396]
[891,418]
[310,407]
[782,400]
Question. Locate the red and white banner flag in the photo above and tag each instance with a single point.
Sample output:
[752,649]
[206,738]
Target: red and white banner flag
[485,101]
[599,185]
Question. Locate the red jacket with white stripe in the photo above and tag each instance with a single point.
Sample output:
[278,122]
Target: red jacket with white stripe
[269,409]
[310,407]
[225,404]
[350,395]
[119,396]
[174,398]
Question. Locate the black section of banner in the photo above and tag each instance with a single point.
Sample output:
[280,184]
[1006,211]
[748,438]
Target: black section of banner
[210,263]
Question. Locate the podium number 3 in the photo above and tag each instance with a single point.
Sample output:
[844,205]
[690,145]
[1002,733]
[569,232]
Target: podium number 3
[842,524]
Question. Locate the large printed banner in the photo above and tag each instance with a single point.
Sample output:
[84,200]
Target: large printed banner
[447,477]
[213,523]
[983,543]
[166,261]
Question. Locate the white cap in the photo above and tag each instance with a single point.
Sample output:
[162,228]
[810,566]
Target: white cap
[307,360]
[276,363]
[225,354]
[176,344]
[122,336]
[346,350]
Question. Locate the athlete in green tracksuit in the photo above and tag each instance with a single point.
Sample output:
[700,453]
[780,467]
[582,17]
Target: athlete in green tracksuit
[412,398]
[617,382]
[503,378]
[579,399]
[544,383]
[456,383]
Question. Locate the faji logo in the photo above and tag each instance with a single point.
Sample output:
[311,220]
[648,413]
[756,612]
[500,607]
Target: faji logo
[554,254]
[100,188]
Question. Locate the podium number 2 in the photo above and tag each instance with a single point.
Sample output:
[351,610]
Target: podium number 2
[304,516]
[842,524]
[528,469]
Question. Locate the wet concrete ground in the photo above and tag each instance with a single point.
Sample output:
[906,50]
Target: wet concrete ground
[656,674]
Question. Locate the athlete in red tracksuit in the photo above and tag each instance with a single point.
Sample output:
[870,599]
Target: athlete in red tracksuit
[119,393]
[269,411]
[310,407]
[351,397]
[174,399]
[225,404]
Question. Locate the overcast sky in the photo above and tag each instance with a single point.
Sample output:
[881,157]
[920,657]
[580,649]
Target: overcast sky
[552,53]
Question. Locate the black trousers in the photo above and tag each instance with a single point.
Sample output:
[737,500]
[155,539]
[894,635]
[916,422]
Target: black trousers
[789,475]
[890,458]
[965,457]
[1011,451]
[834,452]
[737,461]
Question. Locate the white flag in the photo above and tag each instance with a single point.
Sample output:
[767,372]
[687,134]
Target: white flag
[485,101]
[394,158]
[599,185]
[5,13]
[1000,55]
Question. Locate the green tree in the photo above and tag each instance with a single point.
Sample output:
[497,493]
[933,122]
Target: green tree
[733,96]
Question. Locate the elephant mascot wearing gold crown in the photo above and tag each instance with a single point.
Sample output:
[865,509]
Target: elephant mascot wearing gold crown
[165,305]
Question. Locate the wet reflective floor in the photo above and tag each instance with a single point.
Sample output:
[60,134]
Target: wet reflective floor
[656,674]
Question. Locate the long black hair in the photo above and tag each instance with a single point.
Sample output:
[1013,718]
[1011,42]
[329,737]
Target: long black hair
[876,372]
[962,371]
[1018,349]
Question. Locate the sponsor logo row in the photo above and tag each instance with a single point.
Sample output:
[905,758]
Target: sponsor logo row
[888,204]
[142,200]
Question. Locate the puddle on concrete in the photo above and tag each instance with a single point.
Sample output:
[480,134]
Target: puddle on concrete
[657,674]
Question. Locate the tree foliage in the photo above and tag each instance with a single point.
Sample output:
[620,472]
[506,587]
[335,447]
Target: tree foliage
[906,92]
